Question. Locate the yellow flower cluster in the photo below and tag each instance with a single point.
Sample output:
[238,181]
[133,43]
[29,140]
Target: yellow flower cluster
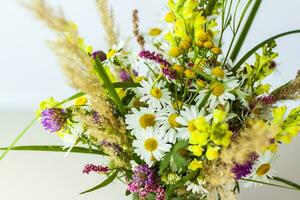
[190,28]
[209,137]
[288,127]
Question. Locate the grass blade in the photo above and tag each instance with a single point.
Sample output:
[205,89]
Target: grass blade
[270,184]
[245,30]
[109,85]
[22,133]
[252,51]
[126,85]
[19,137]
[287,182]
[55,149]
[104,183]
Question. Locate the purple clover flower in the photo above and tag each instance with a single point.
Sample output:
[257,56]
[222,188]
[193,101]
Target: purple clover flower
[53,119]
[242,170]
[125,76]
[95,168]
[100,54]
[144,182]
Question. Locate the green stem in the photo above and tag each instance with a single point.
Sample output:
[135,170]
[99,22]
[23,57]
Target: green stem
[270,184]
[287,182]
[237,30]
[257,47]
[55,149]
[245,30]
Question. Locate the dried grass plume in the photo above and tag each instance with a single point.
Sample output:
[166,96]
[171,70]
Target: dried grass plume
[108,22]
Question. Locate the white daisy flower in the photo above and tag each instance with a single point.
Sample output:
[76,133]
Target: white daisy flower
[262,169]
[141,119]
[150,145]
[221,93]
[167,123]
[186,119]
[196,188]
[156,95]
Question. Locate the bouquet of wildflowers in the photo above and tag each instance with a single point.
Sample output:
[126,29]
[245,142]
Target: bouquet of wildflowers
[181,118]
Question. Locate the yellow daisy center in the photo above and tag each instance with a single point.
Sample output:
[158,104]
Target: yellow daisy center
[218,89]
[191,126]
[111,53]
[263,169]
[154,31]
[151,144]
[147,120]
[172,121]
[156,92]
[189,74]
[218,72]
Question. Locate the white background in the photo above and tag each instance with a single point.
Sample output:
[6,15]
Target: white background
[29,73]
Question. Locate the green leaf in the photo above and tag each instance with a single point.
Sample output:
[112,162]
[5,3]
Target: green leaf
[245,30]
[174,155]
[253,50]
[109,85]
[22,133]
[126,85]
[287,182]
[104,183]
[55,149]
[165,163]
[270,184]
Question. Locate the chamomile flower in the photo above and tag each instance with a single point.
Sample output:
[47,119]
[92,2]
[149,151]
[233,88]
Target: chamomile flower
[150,145]
[186,120]
[262,170]
[220,93]
[168,123]
[141,119]
[196,187]
[115,50]
[155,94]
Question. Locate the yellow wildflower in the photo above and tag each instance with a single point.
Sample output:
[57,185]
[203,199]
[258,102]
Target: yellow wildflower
[81,101]
[212,153]
[208,44]
[195,164]
[196,150]
[216,50]
[170,18]
[175,51]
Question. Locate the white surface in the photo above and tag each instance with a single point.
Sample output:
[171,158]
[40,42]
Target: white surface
[29,73]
